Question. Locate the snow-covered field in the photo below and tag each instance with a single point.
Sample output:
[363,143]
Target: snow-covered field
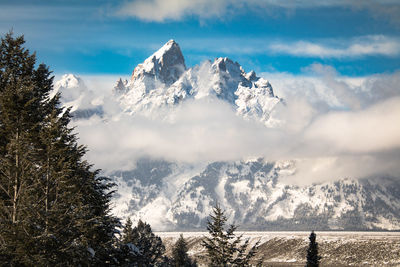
[289,248]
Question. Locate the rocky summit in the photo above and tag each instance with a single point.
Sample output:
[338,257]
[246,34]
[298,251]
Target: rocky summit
[163,80]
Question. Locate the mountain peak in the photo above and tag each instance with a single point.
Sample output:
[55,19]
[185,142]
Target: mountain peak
[120,87]
[168,46]
[251,76]
[162,79]
[69,81]
[227,65]
[165,66]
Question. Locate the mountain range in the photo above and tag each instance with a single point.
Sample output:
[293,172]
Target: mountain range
[174,195]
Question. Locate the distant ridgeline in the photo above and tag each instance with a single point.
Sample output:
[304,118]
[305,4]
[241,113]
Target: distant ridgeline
[254,197]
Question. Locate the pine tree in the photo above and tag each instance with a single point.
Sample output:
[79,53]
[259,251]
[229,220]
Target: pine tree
[128,253]
[224,248]
[127,231]
[180,257]
[312,252]
[149,246]
[19,123]
[54,210]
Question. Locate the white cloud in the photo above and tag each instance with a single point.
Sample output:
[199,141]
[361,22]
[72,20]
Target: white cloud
[161,10]
[326,90]
[357,47]
[322,128]
[373,129]
[198,131]
[322,169]
[342,48]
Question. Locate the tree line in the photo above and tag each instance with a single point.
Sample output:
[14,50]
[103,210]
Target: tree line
[54,208]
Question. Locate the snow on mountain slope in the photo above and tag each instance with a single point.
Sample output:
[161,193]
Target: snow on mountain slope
[255,196]
[166,66]
[163,80]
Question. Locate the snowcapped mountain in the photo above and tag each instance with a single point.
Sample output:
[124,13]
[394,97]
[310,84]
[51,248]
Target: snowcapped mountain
[254,193]
[163,80]
[255,196]
[76,95]
[166,66]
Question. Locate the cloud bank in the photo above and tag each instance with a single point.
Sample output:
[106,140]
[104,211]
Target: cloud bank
[162,10]
[370,130]
[333,126]
[356,47]
[324,48]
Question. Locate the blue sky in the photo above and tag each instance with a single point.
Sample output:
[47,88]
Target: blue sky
[356,38]
[336,63]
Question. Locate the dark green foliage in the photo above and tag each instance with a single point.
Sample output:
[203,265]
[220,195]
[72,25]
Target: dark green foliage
[224,248]
[129,254]
[127,231]
[312,252]
[180,258]
[149,249]
[54,210]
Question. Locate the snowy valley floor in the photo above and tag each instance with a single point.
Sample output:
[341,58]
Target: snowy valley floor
[289,248]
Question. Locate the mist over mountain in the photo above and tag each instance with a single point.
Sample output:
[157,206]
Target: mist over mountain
[177,140]
[75,94]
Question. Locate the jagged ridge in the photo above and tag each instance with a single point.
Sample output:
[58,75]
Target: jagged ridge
[163,80]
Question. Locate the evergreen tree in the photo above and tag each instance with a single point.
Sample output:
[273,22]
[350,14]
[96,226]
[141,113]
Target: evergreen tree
[129,254]
[19,124]
[127,231]
[224,248]
[54,210]
[180,258]
[149,247]
[312,252]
